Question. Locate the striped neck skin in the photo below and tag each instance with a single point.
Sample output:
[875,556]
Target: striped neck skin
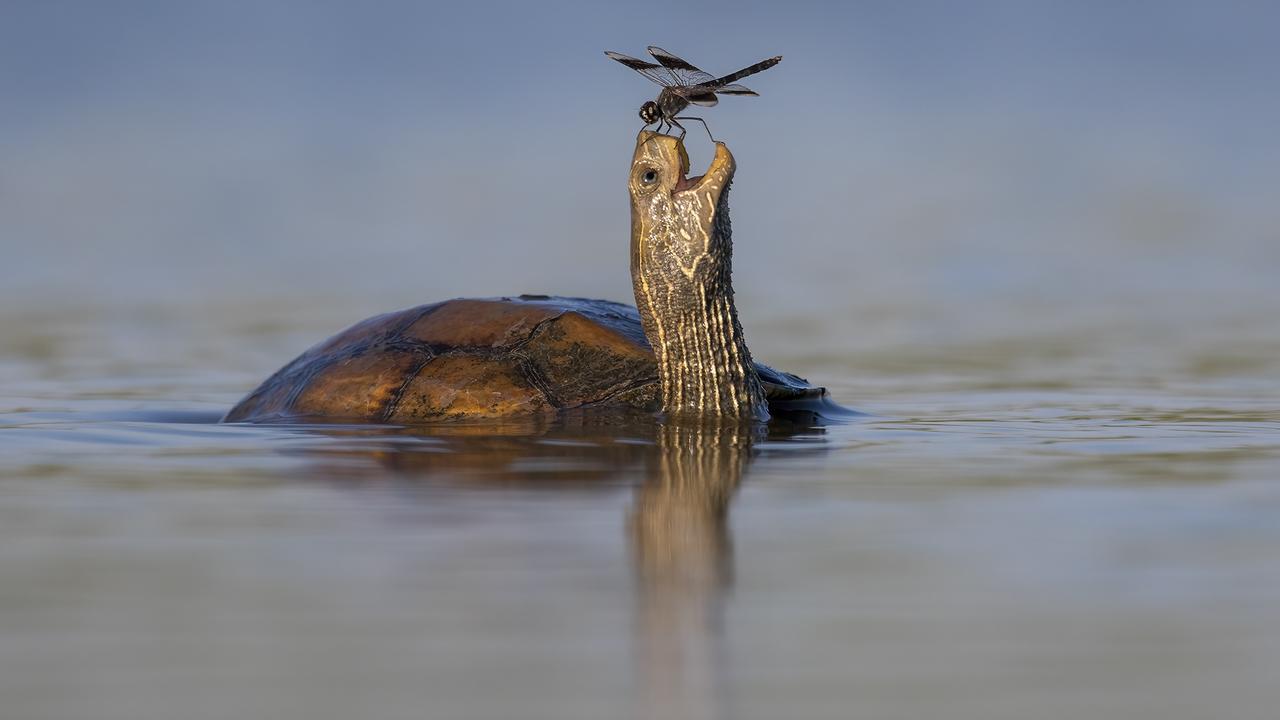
[681,265]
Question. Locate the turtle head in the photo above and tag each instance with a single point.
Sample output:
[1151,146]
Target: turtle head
[681,252]
[678,223]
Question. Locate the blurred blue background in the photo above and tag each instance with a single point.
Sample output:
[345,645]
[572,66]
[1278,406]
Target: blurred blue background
[401,152]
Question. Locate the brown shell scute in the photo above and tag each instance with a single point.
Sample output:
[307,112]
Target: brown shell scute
[580,361]
[360,386]
[479,323]
[461,386]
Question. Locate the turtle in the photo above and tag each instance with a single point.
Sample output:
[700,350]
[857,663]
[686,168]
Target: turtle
[679,351]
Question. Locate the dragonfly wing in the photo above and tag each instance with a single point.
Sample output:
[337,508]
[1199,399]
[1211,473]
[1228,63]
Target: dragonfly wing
[654,72]
[705,99]
[682,71]
[735,90]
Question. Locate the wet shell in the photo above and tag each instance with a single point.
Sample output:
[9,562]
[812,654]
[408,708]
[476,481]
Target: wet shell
[476,358]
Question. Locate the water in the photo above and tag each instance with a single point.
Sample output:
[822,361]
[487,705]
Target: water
[1027,523]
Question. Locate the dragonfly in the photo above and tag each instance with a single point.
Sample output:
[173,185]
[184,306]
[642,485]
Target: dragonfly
[684,85]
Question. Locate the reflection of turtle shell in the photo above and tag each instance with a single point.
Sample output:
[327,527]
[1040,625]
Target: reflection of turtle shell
[478,359]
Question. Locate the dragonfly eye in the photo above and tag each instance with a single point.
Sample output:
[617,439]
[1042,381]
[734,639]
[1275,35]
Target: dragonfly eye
[649,112]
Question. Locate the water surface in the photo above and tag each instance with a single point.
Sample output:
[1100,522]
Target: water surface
[1022,525]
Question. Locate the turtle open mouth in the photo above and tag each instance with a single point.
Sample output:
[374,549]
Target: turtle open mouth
[719,171]
[685,183]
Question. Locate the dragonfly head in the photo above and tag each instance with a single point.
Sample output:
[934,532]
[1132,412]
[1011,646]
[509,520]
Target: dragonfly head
[649,113]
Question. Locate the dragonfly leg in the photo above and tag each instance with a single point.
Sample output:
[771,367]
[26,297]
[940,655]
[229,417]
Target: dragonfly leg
[674,124]
[704,125]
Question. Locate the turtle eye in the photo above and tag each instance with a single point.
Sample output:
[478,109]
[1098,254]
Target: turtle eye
[649,177]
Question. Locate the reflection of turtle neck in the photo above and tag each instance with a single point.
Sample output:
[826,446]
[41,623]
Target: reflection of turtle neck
[683,562]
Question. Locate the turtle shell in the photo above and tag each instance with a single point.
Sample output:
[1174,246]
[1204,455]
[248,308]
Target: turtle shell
[477,358]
